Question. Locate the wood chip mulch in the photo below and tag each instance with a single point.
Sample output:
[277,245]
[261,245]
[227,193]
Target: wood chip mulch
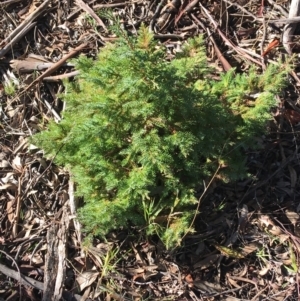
[247,243]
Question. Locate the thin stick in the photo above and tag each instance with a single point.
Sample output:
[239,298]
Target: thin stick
[199,201]
[87,9]
[226,40]
[56,78]
[27,21]
[16,39]
[241,8]
[52,69]
[8,2]
[20,277]
[289,29]
[20,297]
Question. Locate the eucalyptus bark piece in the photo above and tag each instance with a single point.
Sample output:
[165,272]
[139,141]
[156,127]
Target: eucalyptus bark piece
[55,258]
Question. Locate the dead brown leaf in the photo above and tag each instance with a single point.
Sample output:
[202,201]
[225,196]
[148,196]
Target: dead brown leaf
[86,279]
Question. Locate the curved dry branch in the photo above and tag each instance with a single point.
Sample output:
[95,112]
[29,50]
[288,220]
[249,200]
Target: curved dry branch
[290,28]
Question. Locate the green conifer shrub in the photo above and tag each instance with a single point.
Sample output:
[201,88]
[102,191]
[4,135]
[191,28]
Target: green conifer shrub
[139,133]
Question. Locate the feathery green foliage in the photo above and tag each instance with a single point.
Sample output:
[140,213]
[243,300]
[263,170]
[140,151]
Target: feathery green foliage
[139,133]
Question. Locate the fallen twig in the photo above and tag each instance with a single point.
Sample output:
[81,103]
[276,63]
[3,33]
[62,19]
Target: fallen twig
[111,5]
[289,20]
[27,22]
[32,63]
[19,273]
[52,69]
[61,76]
[16,39]
[186,9]
[226,40]
[21,278]
[24,280]
[222,59]
[279,7]
[263,39]
[291,27]
[18,207]
[241,8]
[87,9]
[8,2]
